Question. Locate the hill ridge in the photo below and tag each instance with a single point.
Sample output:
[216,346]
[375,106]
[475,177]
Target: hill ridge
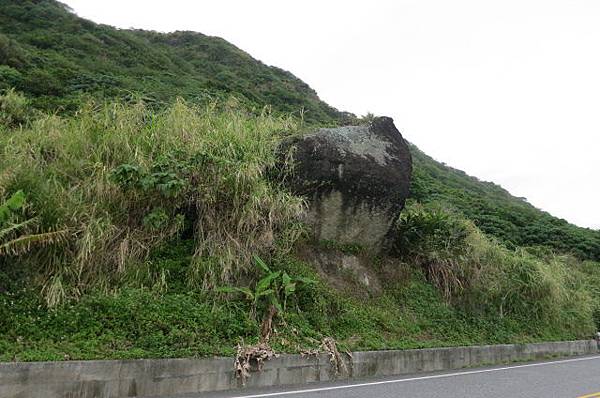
[56,58]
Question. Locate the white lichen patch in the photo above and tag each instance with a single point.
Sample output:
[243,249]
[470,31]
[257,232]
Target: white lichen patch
[357,140]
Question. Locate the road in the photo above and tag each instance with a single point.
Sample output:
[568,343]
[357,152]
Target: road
[568,378]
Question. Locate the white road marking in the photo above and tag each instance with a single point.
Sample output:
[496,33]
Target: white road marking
[375,383]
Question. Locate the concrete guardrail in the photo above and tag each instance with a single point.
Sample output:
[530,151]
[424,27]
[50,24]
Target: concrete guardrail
[169,377]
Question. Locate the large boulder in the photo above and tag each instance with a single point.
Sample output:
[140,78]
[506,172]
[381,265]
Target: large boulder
[356,180]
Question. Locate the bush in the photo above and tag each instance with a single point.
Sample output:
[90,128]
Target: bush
[437,241]
[14,109]
[9,77]
[121,179]
[485,277]
[512,220]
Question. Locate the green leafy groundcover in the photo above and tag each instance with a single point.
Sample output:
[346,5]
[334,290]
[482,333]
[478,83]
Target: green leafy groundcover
[147,322]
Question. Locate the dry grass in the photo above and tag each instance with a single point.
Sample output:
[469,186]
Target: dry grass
[122,179]
[475,271]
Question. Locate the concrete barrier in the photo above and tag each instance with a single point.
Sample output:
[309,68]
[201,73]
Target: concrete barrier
[169,377]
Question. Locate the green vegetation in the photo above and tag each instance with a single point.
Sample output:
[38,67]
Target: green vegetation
[137,219]
[118,181]
[512,220]
[483,276]
[272,290]
[121,179]
[13,239]
[57,58]
[154,321]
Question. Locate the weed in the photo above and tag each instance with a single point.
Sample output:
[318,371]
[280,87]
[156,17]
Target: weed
[483,276]
[122,179]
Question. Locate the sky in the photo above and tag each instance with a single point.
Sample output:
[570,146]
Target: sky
[508,91]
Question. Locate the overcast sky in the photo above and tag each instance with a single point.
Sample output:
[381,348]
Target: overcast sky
[506,90]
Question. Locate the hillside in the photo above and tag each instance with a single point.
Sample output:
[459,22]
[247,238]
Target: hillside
[127,232]
[56,57]
[498,213]
[137,218]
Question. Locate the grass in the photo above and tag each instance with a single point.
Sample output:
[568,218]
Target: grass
[132,213]
[58,59]
[157,210]
[482,275]
[151,322]
[512,220]
[121,179]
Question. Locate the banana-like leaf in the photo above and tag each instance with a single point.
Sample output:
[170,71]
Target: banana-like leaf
[259,261]
[289,289]
[264,293]
[277,304]
[265,282]
[285,278]
[244,290]
[24,243]
[14,203]
[15,227]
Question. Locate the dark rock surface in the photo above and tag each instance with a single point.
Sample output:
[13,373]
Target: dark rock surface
[356,179]
[352,273]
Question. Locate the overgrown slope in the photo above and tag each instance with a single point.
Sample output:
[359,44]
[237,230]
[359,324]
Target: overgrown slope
[54,56]
[130,232]
[498,213]
[134,223]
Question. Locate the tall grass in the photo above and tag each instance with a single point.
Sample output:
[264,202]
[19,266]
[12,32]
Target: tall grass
[480,274]
[15,109]
[119,180]
[122,179]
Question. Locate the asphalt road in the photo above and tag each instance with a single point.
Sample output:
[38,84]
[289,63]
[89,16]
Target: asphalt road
[568,378]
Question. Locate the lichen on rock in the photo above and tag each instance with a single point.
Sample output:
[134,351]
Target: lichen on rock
[355,178]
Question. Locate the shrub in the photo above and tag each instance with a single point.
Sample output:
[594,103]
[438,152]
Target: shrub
[484,276]
[14,109]
[511,220]
[436,240]
[122,179]
[9,77]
